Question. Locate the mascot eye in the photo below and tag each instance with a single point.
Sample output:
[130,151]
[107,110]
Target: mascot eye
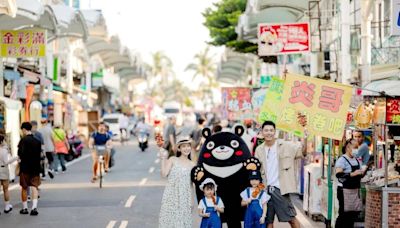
[234,144]
[210,145]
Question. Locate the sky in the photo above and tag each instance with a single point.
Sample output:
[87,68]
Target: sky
[146,26]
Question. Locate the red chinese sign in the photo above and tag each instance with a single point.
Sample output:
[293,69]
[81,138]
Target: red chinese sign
[23,43]
[275,39]
[236,102]
[393,110]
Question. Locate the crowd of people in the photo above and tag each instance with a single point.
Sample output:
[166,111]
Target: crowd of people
[270,188]
[41,151]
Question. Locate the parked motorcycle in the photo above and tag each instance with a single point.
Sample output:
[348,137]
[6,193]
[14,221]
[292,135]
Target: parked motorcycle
[143,138]
[76,146]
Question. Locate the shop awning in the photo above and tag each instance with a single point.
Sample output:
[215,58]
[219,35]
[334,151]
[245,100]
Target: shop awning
[8,7]
[268,11]
[233,66]
[390,87]
[30,14]
[71,22]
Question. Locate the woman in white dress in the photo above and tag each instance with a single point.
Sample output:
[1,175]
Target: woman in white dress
[176,205]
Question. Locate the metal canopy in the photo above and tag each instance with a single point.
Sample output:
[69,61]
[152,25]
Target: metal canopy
[8,7]
[268,11]
[71,22]
[390,87]
[233,66]
[31,14]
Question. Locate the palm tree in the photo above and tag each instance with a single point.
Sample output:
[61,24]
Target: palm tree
[205,67]
[162,66]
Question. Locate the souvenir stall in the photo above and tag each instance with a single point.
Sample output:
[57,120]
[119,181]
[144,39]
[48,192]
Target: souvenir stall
[9,123]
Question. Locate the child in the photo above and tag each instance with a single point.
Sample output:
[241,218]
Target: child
[256,200]
[210,205]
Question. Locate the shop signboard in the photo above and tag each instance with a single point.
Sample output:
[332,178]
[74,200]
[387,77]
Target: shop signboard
[97,79]
[23,43]
[257,99]
[269,109]
[395,22]
[276,39]
[236,103]
[393,111]
[324,103]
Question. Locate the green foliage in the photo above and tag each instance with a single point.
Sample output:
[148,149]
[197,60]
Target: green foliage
[221,21]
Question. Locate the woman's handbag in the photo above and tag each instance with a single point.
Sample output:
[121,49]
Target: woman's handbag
[352,200]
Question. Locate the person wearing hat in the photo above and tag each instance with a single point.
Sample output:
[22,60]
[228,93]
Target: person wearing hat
[255,199]
[210,206]
[176,208]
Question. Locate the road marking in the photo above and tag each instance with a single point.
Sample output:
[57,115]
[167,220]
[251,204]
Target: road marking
[78,159]
[157,161]
[130,201]
[151,170]
[143,182]
[124,224]
[111,224]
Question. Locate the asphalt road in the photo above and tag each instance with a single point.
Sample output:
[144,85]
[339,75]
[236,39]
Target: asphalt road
[131,196]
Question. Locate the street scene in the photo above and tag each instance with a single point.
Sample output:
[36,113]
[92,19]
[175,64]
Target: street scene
[200,113]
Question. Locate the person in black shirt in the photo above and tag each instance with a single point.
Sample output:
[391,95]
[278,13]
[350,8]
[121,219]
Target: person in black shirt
[29,152]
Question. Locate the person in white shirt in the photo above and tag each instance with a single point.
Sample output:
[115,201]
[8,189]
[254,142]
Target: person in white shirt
[211,205]
[47,133]
[277,158]
[255,199]
[5,160]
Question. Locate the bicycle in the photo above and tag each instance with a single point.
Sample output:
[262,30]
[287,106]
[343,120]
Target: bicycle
[101,150]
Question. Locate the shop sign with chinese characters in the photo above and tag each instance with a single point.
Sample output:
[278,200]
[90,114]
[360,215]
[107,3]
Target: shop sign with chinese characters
[257,99]
[23,43]
[276,39]
[272,102]
[324,103]
[236,102]
[393,111]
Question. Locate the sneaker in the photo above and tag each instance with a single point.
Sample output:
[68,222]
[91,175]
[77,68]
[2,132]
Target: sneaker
[34,212]
[24,211]
[44,178]
[9,209]
[50,173]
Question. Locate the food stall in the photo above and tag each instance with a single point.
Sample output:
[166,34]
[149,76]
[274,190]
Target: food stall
[383,181]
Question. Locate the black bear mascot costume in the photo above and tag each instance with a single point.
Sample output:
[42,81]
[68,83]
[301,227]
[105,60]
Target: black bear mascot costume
[226,159]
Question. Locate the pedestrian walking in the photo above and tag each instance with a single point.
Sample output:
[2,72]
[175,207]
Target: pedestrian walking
[255,199]
[170,136]
[277,158]
[47,134]
[5,160]
[349,174]
[211,205]
[39,137]
[176,204]
[197,138]
[29,152]
[61,146]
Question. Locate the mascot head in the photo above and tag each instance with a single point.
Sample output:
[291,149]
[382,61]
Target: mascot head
[224,153]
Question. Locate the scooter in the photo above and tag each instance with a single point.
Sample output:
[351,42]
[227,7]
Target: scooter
[143,138]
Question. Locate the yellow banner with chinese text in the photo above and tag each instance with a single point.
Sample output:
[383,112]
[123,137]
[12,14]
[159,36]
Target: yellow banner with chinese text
[325,104]
[23,43]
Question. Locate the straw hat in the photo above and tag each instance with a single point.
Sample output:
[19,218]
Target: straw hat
[183,140]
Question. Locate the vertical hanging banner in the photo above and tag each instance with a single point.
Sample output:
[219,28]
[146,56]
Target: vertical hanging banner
[23,43]
[236,103]
[257,99]
[272,102]
[276,39]
[325,104]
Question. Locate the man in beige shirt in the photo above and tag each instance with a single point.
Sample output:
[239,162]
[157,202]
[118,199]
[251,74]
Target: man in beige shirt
[277,158]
